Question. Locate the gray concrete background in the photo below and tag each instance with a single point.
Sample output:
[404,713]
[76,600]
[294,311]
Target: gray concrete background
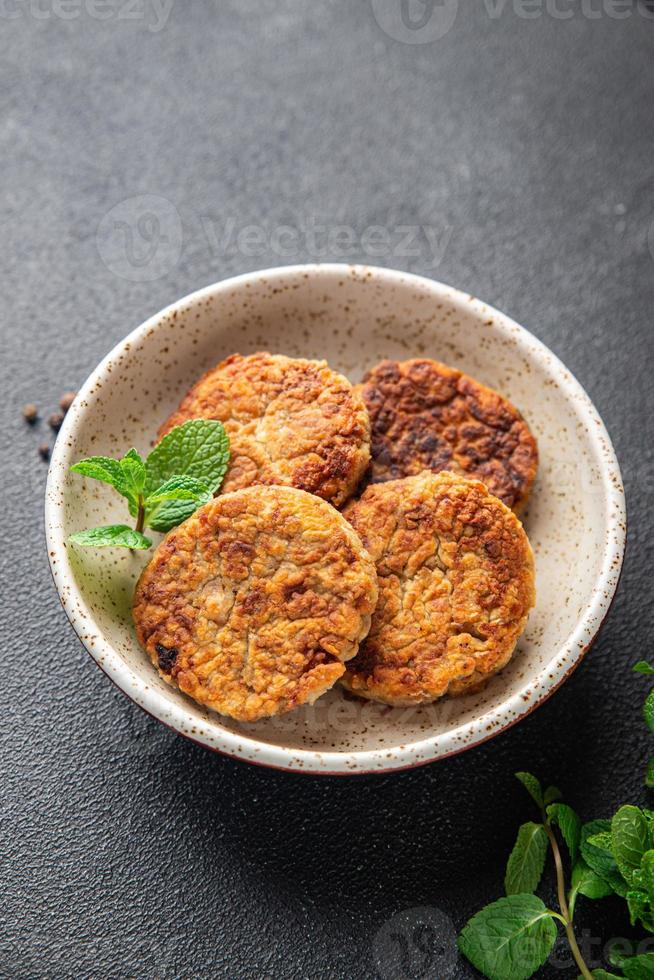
[519,149]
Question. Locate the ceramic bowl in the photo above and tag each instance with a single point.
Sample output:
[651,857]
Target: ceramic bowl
[353,316]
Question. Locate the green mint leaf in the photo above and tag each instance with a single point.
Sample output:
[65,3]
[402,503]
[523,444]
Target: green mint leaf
[174,501]
[527,860]
[509,939]
[111,536]
[551,794]
[631,839]
[178,488]
[126,475]
[639,908]
[569,823]
[639,967]
[617,955]
[618,884]
[586,882]
[648,711]
[647,874]
[533,787]
[603,840]
[596,849]
[199,448]
[133,470]
[101,468]
[642,667]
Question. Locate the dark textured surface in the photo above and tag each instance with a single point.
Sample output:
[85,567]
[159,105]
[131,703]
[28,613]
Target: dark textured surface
[525,145]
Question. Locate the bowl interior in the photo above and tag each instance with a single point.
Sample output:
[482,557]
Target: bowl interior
[352,317]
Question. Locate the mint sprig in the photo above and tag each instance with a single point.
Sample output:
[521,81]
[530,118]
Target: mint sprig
[512,938]
[181,474]
[605,857]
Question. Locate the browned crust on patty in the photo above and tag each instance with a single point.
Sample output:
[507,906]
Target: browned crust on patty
[456,583]
[252,604]
[290,421]
[425,415]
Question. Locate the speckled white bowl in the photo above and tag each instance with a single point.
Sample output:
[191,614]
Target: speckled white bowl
[353,316]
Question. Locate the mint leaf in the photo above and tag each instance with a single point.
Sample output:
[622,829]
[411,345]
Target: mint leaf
[111,536]
[101,468]
[133,471]
[603,840]
[647,874]
[533,787]
[639,967]
[178,488]
[527,860]
[509,939]
[642,667]
[649,774]
[126,475]
[617,953]
[638,903]
[569,823]
[630,833]
[551,793]
[199,448]
[596,849]
[586,882]
[648,711]
[174,501]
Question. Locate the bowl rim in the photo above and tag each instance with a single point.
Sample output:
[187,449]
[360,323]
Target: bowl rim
[490,723]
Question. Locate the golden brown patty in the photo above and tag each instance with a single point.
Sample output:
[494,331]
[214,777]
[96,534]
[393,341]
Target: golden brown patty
[456,582]
[251,605]
[290,421]
[425,415]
